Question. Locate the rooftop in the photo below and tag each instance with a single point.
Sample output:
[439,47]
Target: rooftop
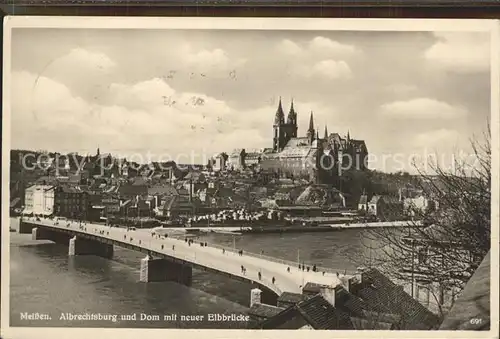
[264,310]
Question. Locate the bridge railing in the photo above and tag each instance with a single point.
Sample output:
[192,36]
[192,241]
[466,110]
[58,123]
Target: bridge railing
[291,264]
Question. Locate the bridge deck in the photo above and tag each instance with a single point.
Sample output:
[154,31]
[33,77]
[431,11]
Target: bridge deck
[206,256]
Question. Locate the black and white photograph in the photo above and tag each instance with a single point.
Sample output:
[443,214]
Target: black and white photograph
[250,174]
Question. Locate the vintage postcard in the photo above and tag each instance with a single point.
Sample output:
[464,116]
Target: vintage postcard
[254,175]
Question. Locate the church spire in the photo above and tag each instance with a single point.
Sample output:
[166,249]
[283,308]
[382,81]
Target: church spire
[311,124]
[98,152]
[348,136]
[292,115]
[326,133]
[280,116]
[310,132]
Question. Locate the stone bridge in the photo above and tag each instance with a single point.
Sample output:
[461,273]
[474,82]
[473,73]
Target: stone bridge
[171,259]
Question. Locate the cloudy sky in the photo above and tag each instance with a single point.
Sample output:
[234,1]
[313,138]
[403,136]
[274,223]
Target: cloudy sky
[172,92]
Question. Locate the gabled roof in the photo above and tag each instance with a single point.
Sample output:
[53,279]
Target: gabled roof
[315,311]
[264,310]
[385,297]
[312,288]
[290,297]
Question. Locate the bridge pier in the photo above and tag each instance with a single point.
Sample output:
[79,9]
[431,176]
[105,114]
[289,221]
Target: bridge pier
[255,296]
[163,270]
[81,246]
[25,227]
[40,234]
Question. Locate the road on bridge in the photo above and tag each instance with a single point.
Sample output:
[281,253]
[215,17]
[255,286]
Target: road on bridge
[212,257]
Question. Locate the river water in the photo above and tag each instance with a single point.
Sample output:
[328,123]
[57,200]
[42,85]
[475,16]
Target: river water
[44,279]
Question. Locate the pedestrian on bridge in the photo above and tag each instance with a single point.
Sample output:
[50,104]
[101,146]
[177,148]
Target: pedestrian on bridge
[300,267]
[288,269]
[173,247]
[223,251]
[260,276]
[273,280]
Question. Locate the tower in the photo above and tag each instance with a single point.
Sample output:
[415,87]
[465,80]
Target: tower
[292,122]
[279,122]
[326,134]
[310,131]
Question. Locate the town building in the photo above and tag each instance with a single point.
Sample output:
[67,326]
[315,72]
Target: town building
[383,207]
[39,200]
[72,202]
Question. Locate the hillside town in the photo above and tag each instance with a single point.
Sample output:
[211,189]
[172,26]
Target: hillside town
[300,180]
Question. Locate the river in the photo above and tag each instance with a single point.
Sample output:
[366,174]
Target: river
[45,279]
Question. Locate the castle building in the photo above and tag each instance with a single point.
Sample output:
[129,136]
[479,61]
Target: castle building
[320,160]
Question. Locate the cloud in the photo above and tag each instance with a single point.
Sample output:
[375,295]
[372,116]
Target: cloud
[332,69]
[422,108]
[117,90]
[327,46]
[326,69]
[317,48]
[441,137]
[319,57]
[462,53]
[136,117]
[208,60]
[289,47]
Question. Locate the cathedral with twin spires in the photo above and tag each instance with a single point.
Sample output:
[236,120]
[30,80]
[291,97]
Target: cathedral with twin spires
[321,160]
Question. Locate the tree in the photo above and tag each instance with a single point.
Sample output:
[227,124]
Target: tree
[444,254]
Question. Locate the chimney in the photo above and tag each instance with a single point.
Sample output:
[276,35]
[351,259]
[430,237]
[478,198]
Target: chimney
[328,293]
[255,296]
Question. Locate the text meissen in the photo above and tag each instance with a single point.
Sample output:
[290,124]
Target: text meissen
[34,316]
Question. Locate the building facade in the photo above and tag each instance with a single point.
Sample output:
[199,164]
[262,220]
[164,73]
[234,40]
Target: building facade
[72,202]
[39,200]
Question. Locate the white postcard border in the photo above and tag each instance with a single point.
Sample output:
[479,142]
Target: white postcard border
[454,25]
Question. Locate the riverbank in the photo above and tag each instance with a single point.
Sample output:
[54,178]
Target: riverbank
[291,229]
